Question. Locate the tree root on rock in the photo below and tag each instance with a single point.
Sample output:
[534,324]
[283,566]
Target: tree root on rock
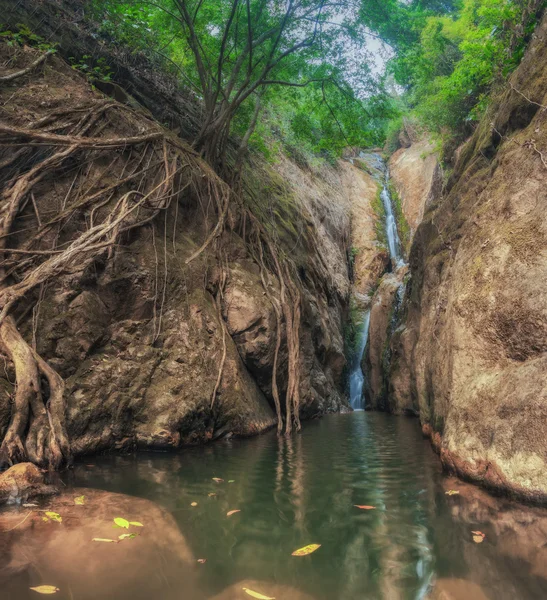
[152,171]
[288,307]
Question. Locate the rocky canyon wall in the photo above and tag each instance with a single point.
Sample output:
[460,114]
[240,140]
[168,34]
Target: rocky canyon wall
[471,355]
[140,338]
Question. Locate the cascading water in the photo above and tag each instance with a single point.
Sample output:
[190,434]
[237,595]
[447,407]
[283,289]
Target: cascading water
[393,242]
[357,377]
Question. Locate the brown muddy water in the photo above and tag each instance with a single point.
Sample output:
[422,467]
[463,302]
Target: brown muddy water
[416,543]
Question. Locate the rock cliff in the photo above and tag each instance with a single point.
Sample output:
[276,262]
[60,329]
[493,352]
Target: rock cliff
[471,357]
[140,338]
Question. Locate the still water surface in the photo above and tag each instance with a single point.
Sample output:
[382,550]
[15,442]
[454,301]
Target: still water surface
[302,491]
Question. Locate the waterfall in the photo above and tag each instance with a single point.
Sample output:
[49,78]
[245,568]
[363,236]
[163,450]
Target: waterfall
[380,172]
[356,377]
[393,242]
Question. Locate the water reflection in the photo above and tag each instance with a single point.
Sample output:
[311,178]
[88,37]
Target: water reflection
[416,543]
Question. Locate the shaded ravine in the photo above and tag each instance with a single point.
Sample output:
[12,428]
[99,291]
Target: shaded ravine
[362,319]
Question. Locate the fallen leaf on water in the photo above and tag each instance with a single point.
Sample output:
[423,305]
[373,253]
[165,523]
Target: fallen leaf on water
[306,550]
[257,595]
[211,494]
[45,519]
[54,516]
[121,522]
[217,479]
[231,481]
[452,492]
[127,536]
[202,561]
[364,506]
[80,500]
[232,512]
[104,540]
[136,523]
[45,589]
[194,504]
[478,537]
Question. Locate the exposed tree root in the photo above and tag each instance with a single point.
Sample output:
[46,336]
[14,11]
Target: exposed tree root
[33,65]
[287,307]
[158,169]
[218,302]
[111,183]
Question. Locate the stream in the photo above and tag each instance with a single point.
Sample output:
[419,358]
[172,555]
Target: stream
[290,493]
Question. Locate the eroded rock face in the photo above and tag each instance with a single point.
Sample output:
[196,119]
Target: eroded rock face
[139,338]
[371,259]
[383,317]
[417,177]
[473,358]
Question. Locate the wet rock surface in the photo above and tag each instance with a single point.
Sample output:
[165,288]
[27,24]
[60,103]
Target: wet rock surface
[383,318]
[22,482]
[34,552]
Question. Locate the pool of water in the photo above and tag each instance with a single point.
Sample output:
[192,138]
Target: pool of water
[291,493]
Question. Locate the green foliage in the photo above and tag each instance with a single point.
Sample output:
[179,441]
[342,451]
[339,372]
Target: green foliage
[452,56]
[318,96]
[393,131]
[24,36]
[93,69]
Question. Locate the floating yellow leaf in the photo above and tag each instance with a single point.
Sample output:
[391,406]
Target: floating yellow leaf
[231,481]
[306,550]
[478,537]
[364,506]
[136,523]
[127,536]
[232,512]
[80,500]
[45,589]
[54,516]
[194,504]
[217,479]
[257,595]
[202,561]
[121,522]
[452,492]
[210,494]
[104,540]
[45,519]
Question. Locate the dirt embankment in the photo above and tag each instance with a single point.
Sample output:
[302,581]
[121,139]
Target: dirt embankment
[156,348]
[472,357]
